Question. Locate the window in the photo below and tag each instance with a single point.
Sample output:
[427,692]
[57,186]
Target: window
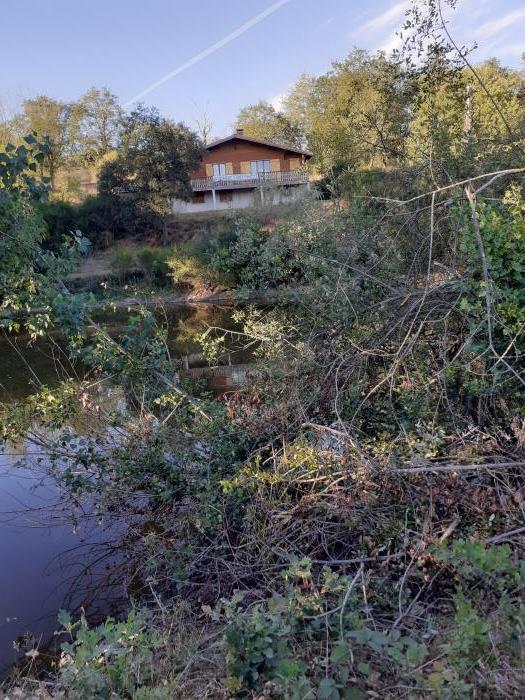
[225,196]
[219,170]
[259,166]
[198,198]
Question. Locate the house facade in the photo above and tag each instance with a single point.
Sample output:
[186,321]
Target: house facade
[238,172]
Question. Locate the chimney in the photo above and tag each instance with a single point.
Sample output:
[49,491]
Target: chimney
[239,132]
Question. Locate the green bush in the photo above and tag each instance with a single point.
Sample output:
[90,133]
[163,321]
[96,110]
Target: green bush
[298,251]
[122,261]
[115,659]
[153,262]
[502,231]
[60,218]
[277,642]
[102,219]
[186,265]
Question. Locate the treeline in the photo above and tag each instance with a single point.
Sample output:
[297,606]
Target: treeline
[79,133]
[95,138]
[379,112]
[375,124]
[138,161]
[368,112]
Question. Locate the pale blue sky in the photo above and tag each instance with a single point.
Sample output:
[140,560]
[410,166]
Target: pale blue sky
[63,47]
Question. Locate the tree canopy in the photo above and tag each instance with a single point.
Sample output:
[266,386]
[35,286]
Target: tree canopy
[100,119]
[154,160]
[374,111]
[263,121]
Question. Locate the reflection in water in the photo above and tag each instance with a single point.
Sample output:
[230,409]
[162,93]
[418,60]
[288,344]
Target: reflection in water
[49,559]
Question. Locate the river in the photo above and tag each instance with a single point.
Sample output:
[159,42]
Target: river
[49,558]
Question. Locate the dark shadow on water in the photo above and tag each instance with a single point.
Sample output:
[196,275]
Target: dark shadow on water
[54,553]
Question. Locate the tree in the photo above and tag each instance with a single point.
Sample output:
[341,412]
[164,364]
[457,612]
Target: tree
[263,121]
[356,114]
[437,132]
[154,159]
[51,120]
[100,120]
[204,127]
[11,124]
[298,105]
[30,275]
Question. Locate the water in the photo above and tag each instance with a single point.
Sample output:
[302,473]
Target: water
[48,560]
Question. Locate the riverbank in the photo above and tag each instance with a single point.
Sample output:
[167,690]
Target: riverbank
[347,523]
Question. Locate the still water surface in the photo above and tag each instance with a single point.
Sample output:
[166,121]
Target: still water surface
[48,560]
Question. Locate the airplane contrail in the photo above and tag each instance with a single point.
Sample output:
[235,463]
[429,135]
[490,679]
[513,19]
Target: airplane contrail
[211,49]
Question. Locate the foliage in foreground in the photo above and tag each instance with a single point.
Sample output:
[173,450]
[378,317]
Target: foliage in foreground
[324,567]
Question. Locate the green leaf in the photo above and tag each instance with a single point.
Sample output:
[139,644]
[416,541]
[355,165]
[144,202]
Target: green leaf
[339,653]
[353,694]
[64,618]
[327,690]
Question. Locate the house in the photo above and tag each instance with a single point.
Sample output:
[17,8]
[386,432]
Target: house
[239,171]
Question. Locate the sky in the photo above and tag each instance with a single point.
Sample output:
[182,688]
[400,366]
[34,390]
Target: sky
[213,56]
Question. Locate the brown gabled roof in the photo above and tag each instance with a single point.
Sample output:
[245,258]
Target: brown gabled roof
[242,137]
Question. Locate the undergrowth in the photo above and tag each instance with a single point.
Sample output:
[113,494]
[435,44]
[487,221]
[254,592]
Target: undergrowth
[349,524]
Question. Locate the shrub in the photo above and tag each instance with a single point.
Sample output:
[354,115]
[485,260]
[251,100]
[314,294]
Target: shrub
[123,217]
[114,658]
[59,218]
[153,262]
[187,266]
[276,643]
[102,219]
[298,251]
[122,261]
[140,657]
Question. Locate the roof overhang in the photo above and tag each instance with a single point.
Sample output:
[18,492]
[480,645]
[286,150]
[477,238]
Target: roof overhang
[271,144]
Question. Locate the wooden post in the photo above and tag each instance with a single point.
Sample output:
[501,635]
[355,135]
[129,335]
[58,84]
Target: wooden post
[214,199]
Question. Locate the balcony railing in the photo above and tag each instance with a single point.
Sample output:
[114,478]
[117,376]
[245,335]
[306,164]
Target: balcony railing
[239,181]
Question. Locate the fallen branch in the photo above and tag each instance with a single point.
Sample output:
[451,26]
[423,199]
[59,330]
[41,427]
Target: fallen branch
[459,468]
[504,535]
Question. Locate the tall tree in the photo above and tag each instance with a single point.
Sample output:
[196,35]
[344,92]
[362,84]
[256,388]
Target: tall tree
[11,124]
[204,127]
[444,95]
[154,159]
[100,119]
[51,120]
[356,114]
[263,121]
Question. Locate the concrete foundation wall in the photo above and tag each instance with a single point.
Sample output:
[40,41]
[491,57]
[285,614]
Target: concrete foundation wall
[240,199]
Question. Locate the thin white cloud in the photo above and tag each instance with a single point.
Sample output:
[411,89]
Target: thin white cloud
[509,50]
[385,19]
[207,52]
[495,26]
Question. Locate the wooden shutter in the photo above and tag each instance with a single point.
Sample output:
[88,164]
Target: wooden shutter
[245,167]
[209,169]
[275,165]
[229,168]
[295,163]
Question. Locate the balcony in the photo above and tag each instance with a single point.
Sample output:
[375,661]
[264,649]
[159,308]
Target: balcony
[239,181]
